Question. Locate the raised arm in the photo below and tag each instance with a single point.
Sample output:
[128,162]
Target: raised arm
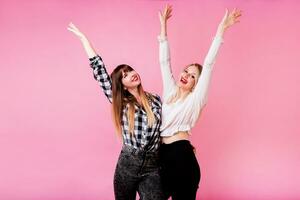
[201,89]
[164,53]
[99,70]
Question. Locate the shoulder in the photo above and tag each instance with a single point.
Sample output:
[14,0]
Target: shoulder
[154,97]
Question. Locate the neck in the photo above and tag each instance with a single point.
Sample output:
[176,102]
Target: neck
[183,93]
[136,94]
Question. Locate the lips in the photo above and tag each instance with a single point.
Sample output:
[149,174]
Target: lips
[183,80]
[134,78]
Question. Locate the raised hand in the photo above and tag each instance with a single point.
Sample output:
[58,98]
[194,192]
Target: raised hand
[85,42]
[230,18]
[76,31]
[163,17]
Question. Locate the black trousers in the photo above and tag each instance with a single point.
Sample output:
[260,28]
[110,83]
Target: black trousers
[137,171]
[180,171]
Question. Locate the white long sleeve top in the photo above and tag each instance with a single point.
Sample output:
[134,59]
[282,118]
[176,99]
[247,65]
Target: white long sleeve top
[183,114]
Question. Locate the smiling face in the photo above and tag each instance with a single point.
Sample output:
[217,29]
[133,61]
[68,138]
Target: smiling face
[130,79]
[124,78]
[188,78]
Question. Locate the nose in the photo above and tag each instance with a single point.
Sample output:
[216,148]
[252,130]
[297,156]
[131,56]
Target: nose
[133,74]
[186,75]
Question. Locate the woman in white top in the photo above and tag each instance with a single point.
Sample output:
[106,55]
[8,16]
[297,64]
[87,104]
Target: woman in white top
[182,103]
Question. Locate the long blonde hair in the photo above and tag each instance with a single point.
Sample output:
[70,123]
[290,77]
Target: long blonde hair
[122,98]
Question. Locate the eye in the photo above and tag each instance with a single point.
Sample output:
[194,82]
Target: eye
[185,71]
[193,76]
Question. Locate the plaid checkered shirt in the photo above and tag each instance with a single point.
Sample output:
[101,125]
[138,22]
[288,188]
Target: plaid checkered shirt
[144,137]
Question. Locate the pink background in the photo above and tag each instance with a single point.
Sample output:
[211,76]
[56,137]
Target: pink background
[57,141]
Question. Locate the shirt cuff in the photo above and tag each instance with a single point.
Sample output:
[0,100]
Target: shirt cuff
[95,58]
[219,37]
[162,39]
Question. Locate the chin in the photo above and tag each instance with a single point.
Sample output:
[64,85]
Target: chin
[184,87]
[179,84]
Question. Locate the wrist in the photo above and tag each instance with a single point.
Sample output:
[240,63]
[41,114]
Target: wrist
[163,24]
[221,28]
[84,40]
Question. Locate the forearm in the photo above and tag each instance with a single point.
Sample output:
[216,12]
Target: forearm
[165,66]
[88,47]
[163,30]
[101,75]
[221,30]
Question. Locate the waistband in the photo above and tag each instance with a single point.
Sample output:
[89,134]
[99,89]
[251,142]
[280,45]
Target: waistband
[138,152]
[186,144]
[178,142]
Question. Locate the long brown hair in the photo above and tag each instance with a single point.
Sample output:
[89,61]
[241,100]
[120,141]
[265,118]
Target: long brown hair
[122,98]
[176,96]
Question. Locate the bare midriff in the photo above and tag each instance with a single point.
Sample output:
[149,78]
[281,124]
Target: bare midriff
[181,135]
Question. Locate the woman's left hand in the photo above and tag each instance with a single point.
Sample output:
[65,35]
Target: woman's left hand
[164,16]
[230,18]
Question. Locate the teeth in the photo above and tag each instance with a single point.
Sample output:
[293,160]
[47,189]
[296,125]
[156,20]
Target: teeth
[134,78]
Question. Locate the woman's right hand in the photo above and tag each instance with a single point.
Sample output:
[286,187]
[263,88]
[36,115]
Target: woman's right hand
[85,42]
[76,31]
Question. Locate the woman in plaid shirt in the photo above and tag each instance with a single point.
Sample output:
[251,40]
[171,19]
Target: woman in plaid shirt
[137,118]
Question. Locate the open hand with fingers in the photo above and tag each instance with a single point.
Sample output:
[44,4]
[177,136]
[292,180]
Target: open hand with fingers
[76,31]
[164,16]
[230,18]
[84,40]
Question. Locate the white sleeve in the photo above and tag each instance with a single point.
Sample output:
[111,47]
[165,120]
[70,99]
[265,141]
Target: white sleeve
[201,89]
[164,59]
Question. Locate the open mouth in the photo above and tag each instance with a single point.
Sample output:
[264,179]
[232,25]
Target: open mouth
[134,78]
[183,80]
